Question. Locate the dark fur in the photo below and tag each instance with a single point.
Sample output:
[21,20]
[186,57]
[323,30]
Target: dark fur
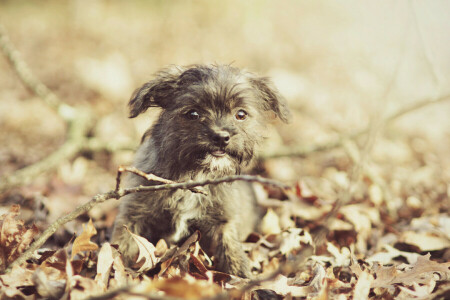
[179,148]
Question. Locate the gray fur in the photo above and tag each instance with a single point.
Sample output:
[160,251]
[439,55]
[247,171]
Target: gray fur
[181,146]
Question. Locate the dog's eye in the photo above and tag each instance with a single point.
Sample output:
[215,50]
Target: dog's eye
[241,115]
[193,115]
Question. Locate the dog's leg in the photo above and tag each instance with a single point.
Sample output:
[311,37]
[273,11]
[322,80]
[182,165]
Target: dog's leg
[229,254]
[127,246]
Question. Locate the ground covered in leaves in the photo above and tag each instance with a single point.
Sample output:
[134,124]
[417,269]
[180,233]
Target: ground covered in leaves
[390,237]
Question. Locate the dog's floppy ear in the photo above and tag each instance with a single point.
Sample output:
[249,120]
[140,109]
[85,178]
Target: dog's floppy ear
[155,92]
[272,99]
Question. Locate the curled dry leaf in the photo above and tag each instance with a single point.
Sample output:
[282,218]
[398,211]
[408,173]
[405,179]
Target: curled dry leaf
[50,277]
[83,241]
[104,264]
[81,288]
[11,282]
[15,237]
[161,248]
[270,224]
[426,241]
[121,277]
[292,238]
[281,286]
[387,257]
[420,272]
[147,251]
[342,256]
[48,284]
[362,287]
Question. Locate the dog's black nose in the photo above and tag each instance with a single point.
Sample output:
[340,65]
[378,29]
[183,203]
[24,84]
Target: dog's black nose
[221,138]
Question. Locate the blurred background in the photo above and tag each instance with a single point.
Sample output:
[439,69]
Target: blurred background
[341,65]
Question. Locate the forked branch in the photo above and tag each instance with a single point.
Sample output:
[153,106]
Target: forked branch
[119,192]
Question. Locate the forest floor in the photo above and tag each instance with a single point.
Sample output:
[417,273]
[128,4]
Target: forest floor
[366,214]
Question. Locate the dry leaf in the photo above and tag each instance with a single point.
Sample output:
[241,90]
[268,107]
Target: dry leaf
[420,272]
[270,224]
[12,282]
[425,241]
[387,257]
[342,257]
[7,292]
[81,288]
[291,240]
[362,287]
[121,277]
[15,237]
[83,241]
[161,248]
[280,286]
[146,252]
[104,263]
[186,287]
[50,278]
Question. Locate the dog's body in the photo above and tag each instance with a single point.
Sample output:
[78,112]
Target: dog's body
[213,118]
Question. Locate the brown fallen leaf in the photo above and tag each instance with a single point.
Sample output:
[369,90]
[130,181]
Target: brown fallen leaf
[270,224]
[83,241]
[50,278]
[181,254]
[420,272]
[81,288]
[426,241]
[388,257]
[147,251]
[15,237]
[104,264]
[7,292]
[121,277]
[12,282]
[281,286]
[362,287]
[161,248]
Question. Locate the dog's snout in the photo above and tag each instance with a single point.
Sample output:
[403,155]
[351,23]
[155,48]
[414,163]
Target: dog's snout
[221,138]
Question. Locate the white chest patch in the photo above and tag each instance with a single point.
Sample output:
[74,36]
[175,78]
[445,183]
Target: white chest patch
[186,209]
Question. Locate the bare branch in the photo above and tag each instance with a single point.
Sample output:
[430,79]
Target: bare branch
[95,145]
[79,121]
[150,177]
[118,193]
[29,80]
[307,150]
[423,45]
[76,139]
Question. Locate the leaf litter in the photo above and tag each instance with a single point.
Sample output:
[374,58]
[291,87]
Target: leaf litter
[334,272]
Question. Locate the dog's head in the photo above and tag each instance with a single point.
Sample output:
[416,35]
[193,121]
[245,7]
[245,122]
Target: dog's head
[213,116]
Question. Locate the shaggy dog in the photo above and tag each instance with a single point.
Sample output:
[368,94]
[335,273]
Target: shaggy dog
[213,117]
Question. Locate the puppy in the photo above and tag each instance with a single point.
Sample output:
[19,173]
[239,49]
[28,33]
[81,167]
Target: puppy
[213,117]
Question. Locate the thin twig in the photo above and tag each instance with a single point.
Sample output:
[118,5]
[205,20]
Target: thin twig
[150,177]
[307,150]
[29,80]
[117,194]
[423,45]
[190,184]
[76,138]
[79,121]
[96,145]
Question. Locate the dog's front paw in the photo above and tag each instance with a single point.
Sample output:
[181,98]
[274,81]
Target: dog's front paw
[230,256]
